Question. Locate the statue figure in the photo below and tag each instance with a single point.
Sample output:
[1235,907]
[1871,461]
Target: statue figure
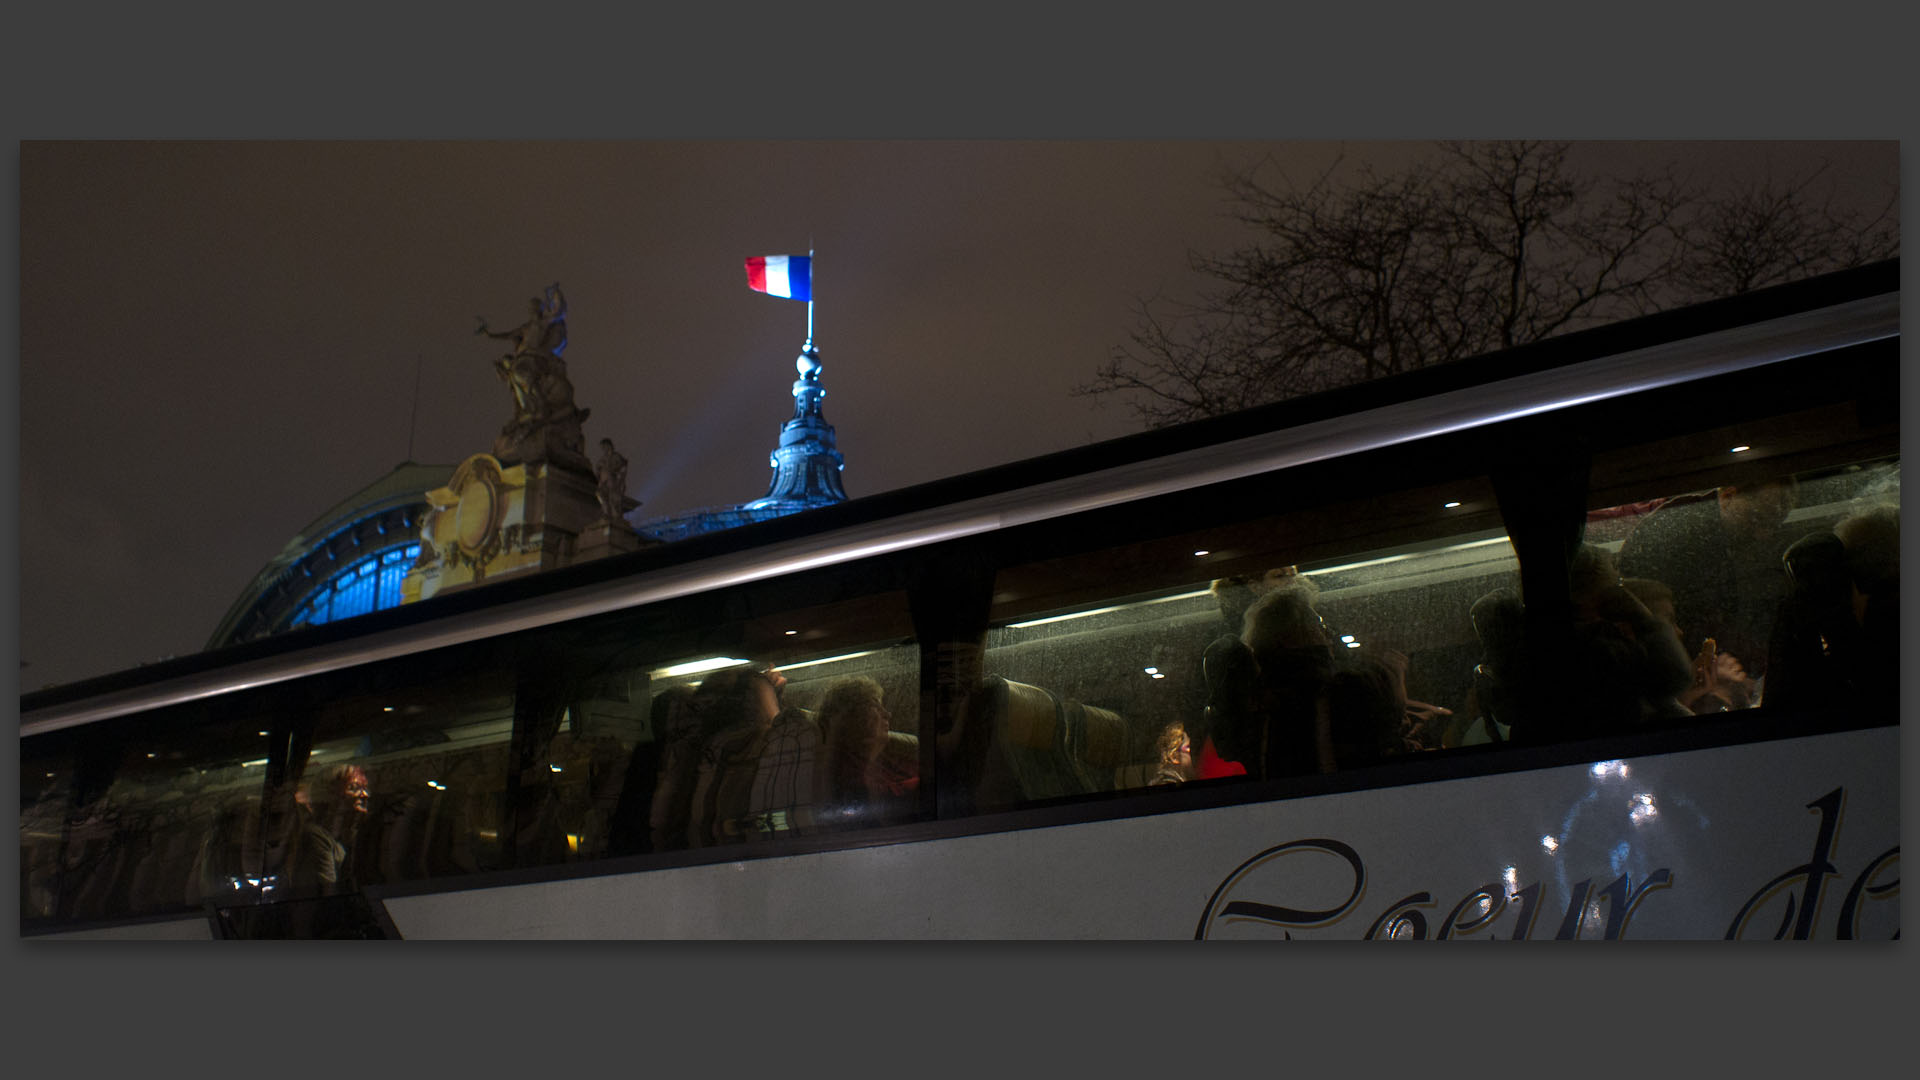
[610,475]
[545,423]
[533,371]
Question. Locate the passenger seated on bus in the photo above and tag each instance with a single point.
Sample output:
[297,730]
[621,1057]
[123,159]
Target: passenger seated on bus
[1230,673]
[1719,679]
[1172,764]
[1293,655]
[789,781]
[734,709]
[1367,717]
[1720,551]
[1420,725]
[1236,593]
[1836,646]
[865,784]
[1320,709]
[1626,665]
[1872,540]
[1229,719]
[1267,705]
[1492,699]
[330,809]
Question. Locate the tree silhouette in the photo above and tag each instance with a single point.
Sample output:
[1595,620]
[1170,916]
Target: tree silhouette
[1483,246]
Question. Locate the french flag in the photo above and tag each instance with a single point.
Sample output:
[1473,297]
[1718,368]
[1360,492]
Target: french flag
[790,276]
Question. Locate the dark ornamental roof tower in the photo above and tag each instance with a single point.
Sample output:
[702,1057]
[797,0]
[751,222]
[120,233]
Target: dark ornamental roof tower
[806,466]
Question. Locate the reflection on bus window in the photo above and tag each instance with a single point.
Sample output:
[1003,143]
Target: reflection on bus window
[123,819]
[752,752]
[45,791]
[403,780]
[1278,647]
[1780,586]
[667,731]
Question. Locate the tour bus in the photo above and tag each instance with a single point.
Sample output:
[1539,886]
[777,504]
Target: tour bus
[1595,638]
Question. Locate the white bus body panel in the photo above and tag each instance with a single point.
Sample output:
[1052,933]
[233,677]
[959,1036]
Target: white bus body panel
[1690,845]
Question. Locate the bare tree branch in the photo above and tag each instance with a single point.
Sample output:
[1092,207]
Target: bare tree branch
[1485,246]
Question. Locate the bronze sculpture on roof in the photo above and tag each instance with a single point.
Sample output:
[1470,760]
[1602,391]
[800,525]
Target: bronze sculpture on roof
[545,423]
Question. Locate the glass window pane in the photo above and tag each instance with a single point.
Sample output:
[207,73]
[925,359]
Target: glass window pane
[46,790]
[165,812]
[655,730]
[1769,549]
[1325,638]
[353,591]
[758,730]
[401,774]
[393,570]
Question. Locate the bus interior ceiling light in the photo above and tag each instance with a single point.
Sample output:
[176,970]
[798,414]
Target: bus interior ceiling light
[827,660]
[1105,610]
[1407,555]
[695,667]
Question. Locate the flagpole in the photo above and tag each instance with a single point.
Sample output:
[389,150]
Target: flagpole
[809,344]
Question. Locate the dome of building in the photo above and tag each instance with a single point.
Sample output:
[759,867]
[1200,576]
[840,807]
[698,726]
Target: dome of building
[348,561]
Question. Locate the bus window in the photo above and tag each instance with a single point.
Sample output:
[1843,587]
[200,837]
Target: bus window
[841,749]
[399,776]
[1770,548]
[1137,665]
[677,728]
[153,813]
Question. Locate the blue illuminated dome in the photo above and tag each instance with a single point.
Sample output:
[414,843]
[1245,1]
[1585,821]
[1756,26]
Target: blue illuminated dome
[348,561]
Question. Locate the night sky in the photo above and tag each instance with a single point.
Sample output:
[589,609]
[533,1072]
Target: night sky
[220,340]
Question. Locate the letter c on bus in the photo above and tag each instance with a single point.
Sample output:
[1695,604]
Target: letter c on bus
[1276,914]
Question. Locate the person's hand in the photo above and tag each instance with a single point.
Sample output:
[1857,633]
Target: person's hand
[1418,721]
[1717,677]
[1727,669]
[1706,667]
